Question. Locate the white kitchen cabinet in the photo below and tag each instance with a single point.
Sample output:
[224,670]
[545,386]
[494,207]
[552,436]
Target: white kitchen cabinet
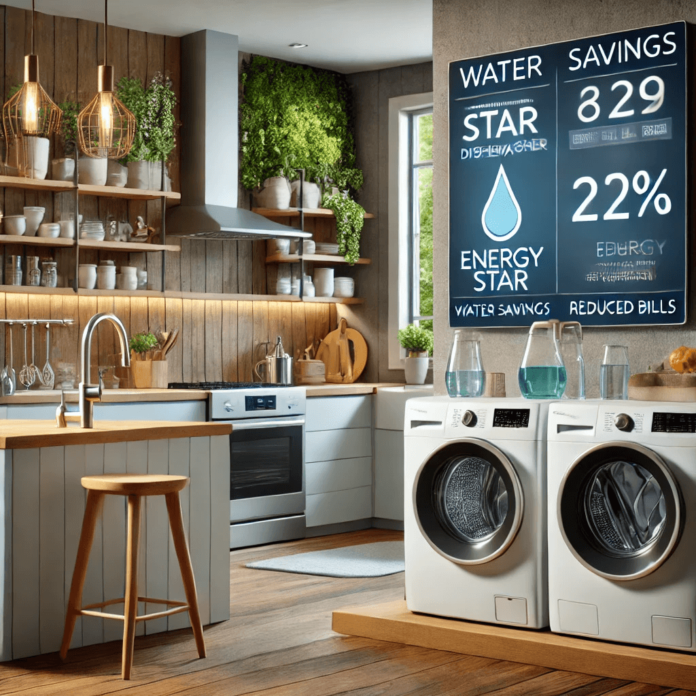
[338,459]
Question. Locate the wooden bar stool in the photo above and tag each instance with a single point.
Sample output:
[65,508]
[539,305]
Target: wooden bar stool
[135,486]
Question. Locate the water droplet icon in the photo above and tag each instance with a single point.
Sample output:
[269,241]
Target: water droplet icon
[501,217]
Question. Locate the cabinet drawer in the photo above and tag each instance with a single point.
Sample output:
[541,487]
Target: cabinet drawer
[339,506]
[326,445]
[338,412]
[389,474]
[325,477]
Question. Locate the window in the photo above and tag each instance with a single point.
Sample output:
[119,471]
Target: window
[421,237]
[410,217]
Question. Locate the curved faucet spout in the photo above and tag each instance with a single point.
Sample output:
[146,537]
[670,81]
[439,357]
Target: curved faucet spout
[92,324]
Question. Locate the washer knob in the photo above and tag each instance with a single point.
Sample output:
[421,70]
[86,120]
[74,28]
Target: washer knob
[228,406]
[469,419]
[624,422]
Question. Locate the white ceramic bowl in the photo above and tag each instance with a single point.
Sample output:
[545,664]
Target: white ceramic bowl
[49,229]
[34,215]
[15,224]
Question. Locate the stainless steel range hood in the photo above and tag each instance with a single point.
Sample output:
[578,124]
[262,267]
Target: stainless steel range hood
[209,150]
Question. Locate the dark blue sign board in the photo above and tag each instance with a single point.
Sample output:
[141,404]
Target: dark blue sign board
[568,182]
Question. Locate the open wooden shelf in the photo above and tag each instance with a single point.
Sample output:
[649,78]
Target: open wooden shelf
[126,246]
[314,258]
[36,290]
[335,300]
[118,293]
[36,241]
[86,189]
[295,212]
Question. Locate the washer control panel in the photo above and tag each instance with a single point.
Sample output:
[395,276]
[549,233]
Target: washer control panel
[674,422]
[624,422]
[511,418]
[469,419]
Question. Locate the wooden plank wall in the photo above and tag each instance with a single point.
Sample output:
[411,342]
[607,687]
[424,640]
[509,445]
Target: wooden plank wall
[219,338]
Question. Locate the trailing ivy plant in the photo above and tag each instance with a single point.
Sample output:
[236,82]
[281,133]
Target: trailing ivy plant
[153,108]
[293,116]
[349,223]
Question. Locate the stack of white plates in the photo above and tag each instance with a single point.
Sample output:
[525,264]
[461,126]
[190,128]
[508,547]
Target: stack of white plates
[283,286]
[92,229]
[344,287]
[308,247]
[326,248]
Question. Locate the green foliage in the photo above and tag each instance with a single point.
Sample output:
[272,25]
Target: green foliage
[153,109]
[296,117]
[425,195]
[13,90]
[68,122]
[142,342]
[416,339]
[349,223]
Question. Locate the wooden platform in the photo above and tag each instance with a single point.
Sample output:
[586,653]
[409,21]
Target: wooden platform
[393,622]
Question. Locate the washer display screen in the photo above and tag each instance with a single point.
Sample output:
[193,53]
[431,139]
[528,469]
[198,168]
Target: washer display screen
[511,418]
[470,498]
[624,508]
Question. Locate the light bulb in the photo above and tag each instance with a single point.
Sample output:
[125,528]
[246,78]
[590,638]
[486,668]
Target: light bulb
[106,119]
[30,107]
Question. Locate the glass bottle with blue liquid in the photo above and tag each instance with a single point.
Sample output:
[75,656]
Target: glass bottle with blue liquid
[465,375]
[542,374]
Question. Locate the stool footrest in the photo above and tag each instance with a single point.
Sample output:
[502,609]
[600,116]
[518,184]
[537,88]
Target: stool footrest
[179,607]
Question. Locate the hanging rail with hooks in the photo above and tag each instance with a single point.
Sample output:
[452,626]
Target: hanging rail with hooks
[36,322]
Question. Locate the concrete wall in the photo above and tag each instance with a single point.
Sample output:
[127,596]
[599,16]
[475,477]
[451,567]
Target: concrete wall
[479,27]
[373,90]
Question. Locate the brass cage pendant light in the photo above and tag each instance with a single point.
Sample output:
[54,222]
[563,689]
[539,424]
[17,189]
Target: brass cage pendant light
[30,112]
[105,127]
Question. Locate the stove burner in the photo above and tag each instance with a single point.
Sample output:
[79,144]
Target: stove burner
[213,386]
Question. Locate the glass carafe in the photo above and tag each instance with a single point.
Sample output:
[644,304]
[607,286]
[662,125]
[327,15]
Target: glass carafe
[542,374]
[465,375]
[571,354]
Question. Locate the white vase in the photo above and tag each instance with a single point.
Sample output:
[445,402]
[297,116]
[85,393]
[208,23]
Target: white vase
[274,194]
[36,156]
[311,194]
[63,169]
[92,171]
[324,282]
[34,215]
[130,277]
[116,174]
[416,370]
[87,275]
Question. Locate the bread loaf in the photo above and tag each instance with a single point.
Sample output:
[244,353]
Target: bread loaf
[683,360]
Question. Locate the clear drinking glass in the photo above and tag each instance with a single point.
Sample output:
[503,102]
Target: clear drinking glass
[613,373]
[465,375]
[570,347]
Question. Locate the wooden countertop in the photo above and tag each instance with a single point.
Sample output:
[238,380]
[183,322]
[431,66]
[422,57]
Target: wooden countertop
[25,434]
[109,396]
[347,389]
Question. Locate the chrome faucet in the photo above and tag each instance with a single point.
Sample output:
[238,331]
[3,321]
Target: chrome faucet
[89,393]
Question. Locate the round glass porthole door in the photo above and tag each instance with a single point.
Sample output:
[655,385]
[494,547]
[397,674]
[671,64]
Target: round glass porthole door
[619,511]
[468,501]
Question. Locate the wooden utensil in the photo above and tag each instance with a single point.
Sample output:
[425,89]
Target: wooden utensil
[344,352]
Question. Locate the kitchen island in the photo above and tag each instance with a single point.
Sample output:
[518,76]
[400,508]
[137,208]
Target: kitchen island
[43,502]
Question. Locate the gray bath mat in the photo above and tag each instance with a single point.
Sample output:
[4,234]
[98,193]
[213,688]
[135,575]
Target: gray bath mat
[361,561]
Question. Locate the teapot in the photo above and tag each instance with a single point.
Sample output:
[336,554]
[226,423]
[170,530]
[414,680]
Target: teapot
[277,365]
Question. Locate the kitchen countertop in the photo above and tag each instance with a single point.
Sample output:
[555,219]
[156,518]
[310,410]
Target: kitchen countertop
[26,434]
[347,389]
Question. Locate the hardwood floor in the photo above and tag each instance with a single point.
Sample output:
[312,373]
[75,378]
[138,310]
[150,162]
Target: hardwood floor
[279,642]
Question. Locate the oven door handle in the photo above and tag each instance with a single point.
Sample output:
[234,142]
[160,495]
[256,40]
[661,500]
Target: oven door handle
[256,423]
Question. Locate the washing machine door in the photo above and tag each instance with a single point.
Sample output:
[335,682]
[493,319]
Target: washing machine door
[468,501]
[620,510]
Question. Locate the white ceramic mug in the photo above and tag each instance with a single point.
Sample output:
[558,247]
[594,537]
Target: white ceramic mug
[106,277]
[67,229]
[87,276]
[130,277]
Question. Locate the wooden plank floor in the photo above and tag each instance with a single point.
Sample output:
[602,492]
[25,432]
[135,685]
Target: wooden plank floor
[279,642]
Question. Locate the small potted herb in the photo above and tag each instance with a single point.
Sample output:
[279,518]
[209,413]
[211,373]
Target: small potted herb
[142,360]
[63,168]
[418,342]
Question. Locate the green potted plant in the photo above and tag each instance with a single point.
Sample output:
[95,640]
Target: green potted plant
[153,108]
[418,342]
[63,168]
[147,373]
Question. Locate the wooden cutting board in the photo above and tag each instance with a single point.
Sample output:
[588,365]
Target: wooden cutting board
[662,386]
[344,352]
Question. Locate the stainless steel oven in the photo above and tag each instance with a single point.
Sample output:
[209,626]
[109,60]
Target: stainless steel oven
[267,486]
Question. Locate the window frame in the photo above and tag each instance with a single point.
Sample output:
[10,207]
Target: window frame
[400,187]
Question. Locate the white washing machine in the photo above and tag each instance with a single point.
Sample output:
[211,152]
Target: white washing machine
[622,522]
[474,509]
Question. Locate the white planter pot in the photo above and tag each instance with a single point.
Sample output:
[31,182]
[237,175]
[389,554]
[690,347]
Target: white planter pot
[416,370]
[63,169]
[116,174]
[311,194]
[147,175]
[92,171]
[36,154]
[274,194]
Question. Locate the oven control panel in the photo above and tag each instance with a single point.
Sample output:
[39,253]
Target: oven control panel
[260,403]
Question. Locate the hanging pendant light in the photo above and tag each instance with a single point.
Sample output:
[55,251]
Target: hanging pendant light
[105,128]
[30,112]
